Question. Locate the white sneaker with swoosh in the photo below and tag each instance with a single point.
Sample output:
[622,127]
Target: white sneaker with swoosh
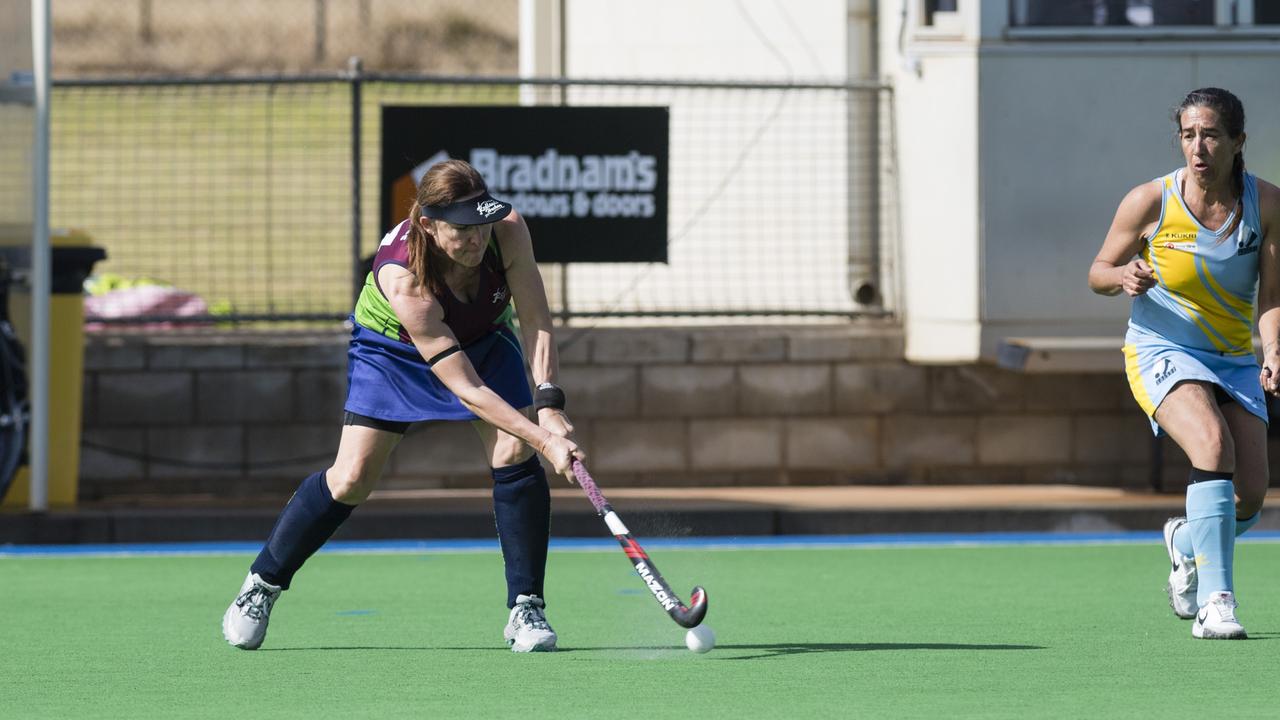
[1217,619]
[1183,581]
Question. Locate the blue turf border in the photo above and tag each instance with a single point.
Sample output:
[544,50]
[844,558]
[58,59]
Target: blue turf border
[764,542]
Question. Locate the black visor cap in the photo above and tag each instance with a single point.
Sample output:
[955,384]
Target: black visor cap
[475,211]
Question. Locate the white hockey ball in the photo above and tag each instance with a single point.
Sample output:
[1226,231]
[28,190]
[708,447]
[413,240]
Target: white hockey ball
[700,639]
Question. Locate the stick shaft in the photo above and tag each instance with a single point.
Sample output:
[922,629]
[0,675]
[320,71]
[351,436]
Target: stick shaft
[684,615]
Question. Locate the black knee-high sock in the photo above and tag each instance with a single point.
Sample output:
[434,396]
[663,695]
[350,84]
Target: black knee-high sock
[522,512]
[307,521]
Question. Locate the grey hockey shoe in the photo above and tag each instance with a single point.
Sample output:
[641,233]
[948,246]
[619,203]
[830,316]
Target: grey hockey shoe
[527,629]
[245,622]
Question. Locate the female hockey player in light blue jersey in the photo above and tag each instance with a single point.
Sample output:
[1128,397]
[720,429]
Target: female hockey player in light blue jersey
[1207,238]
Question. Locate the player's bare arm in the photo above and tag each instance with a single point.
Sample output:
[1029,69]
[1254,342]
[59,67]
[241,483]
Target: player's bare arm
[1115,269]
[423,319]
[1269,285]
[530,298]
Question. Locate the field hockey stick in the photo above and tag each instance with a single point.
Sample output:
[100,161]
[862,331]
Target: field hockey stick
[685,615]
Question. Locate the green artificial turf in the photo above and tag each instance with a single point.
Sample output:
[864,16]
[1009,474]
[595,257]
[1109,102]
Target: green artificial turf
[984,632]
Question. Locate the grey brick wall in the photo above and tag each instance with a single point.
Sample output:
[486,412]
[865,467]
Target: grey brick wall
[833,404]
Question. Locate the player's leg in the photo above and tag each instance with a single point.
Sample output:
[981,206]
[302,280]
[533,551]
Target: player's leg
[324,501]
[1252,473]
[1191,416]
[522,514]
[1153,367]
[317,508]
[1252,477]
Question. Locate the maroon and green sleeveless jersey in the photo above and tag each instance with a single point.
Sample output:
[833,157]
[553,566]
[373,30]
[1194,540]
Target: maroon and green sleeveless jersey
[468,321]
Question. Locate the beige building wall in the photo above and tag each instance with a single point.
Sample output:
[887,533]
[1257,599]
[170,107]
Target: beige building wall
[1017,146]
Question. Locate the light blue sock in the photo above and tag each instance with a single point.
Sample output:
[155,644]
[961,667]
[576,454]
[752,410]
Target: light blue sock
[1182,540]
[1211,527]
[1243,525]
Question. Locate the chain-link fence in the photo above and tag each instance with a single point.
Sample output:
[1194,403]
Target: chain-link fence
[255,196]
[235,193]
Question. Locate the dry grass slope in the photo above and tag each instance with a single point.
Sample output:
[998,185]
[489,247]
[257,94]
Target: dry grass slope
[216,37]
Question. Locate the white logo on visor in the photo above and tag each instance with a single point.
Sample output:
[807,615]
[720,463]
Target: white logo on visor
[488,207]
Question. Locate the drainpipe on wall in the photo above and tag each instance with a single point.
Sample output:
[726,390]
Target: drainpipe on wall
[864,153]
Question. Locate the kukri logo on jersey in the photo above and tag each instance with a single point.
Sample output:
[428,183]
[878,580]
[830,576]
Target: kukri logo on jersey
[1183,241]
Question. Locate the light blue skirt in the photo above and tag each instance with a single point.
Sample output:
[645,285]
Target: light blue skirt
[1155,365]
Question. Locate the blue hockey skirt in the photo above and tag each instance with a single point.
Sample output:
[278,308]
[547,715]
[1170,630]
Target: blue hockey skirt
[390,380]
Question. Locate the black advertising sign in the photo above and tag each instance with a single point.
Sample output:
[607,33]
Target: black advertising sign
[590,181]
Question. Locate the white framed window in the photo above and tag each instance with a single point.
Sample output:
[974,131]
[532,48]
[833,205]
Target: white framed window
[938,18]
[938,12]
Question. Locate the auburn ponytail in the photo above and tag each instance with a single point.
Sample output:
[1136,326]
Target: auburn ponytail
[419,249]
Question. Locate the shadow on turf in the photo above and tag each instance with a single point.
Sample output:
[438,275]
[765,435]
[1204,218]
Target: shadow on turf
[770,649]
[776,649]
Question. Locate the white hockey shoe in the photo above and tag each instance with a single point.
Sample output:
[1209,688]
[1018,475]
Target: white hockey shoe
[245,622]
[1183,580]
[1217,619]
[527,629]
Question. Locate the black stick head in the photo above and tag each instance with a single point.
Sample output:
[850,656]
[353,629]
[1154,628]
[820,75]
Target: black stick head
[692,615]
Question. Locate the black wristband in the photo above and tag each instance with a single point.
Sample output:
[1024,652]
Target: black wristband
[547,395]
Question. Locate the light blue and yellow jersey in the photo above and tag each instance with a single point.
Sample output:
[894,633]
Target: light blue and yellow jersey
[1205,280]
